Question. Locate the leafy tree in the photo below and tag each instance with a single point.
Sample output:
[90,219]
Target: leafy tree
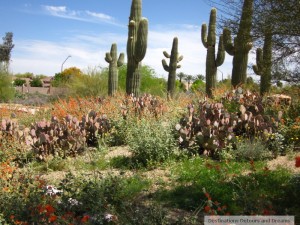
[5,49]
[19,82]
[36,82]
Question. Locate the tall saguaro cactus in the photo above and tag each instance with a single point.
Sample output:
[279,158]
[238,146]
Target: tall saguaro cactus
[175,58]
[241,46]
[136,46]
[114,63]
[263,65]
[209,42]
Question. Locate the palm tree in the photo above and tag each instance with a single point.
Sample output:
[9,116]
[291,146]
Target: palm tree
[189,79]
[181,76]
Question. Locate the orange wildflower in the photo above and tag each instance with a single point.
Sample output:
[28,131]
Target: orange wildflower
[207,208]
[52,218]
[85,219]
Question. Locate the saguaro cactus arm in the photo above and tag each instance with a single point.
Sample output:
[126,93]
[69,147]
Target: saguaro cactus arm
[120,60]
[141,42]
[228,45]
[221,52]
[165,65]
[204,35]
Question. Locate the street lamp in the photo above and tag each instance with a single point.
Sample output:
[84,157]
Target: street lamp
[221,73]
[62,65]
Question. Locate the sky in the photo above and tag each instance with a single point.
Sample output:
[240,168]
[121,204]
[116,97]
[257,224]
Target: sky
[48,32]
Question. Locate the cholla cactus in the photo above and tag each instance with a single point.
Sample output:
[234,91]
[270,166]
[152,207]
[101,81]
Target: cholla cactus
[114,63]
[175,58]
[209,42]
[136,47]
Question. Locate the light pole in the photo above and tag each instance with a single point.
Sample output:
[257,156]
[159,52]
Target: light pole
[62,65]
[221,73]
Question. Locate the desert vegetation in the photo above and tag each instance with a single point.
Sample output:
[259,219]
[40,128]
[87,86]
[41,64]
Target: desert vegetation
[122,146]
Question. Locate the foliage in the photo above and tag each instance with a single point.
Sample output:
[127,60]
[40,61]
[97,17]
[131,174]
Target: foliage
[7,90]
[94,83]
[19,82]
[198,85]
[71,72]
[246,150]
[36,82]
[151,141]
[6,48]
[24,75]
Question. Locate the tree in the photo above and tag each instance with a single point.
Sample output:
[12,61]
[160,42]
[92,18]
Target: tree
[71,72]
[281,19]
[5,49]
[181,76]
[36,82]
[189,79]
[19,82]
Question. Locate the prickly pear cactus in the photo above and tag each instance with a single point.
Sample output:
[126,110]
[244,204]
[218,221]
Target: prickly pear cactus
[209,42]
[175,58]
[114,63]
[136,47]
[241,46]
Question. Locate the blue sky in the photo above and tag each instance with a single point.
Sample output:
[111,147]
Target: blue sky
[47,32]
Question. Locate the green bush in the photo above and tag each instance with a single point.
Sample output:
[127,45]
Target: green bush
[19,82]
[7,91]
[94,83]
[36,82]
[246,150]
[151,141]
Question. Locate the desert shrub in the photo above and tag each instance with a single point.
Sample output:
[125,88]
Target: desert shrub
[93,83]
[7,90]
[151,141]
[246,150]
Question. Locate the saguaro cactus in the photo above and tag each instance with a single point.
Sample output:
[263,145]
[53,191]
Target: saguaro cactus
[209,42]
[241,46]
[114,63]
[175,58]
[136,46]
[263,65]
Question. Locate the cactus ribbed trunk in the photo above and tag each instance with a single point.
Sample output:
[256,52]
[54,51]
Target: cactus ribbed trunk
[172,67]
[242,45]
[263,65]
[209,42]
[136,47]
[114,63]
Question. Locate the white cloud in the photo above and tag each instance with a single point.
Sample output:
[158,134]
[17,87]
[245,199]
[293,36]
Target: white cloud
[99,15]
[81,15]
[46,57]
